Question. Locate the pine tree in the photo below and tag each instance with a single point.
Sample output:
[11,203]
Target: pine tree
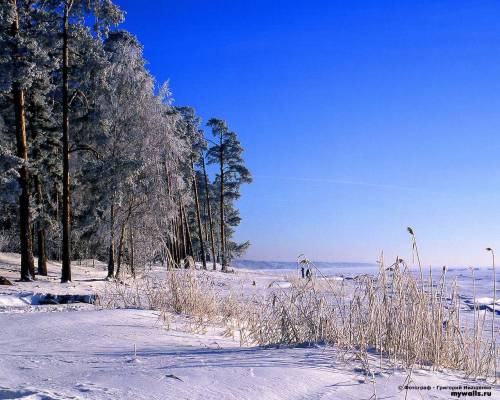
[195,137]
[207,190]
[226,151]
[27,264]
[106,14]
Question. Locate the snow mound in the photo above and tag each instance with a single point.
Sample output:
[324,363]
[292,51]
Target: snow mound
[484,300]
[38,299]
[11,300]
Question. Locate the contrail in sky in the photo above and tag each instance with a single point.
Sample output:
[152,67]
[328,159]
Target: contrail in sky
[336,182]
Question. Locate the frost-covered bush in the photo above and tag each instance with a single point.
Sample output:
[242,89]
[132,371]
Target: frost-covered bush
[4,241]
[9,241]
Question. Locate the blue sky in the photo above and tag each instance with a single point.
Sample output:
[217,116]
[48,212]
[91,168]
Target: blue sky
[359,118]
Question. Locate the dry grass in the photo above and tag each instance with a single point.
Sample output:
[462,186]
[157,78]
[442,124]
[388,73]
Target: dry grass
[179,291]
[396,315]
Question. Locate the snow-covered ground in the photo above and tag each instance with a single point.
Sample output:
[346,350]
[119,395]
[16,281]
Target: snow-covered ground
[79,351]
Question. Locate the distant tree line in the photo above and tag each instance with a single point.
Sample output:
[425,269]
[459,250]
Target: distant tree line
[95,160]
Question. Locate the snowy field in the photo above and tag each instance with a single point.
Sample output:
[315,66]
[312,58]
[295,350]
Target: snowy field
[81,351]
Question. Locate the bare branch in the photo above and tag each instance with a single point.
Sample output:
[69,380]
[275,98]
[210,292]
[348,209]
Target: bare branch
[85,147]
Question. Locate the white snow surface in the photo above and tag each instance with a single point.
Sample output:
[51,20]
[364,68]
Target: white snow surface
[83,352]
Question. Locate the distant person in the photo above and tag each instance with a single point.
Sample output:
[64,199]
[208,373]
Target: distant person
[308,273]
[302,272]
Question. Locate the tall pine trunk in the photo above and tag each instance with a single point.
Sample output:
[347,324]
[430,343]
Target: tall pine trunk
[210,220]
[131,247]
[182,233]
[66,211]
[40,228]
[174,238]
[208,255]
[189,242]
[42,254]
[198,218]
[205,227]
[26,243]
[120,251]
[173,242]
[111,259]
[178,241]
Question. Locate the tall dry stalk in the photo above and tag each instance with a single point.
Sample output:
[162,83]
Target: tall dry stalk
[493,340]
[415,251]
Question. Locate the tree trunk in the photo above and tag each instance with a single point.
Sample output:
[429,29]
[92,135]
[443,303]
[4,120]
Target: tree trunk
[26,243]
[205,227]
[66,225]
[198,217]
[131,248]
[173,242]
[42,254]
[208,255]
[55,249]
[111,260]
[182,234]
[171,252]
[174,238]
[55,199]
[40,228]
[120,250]
[178,240]
[222,230]
[189,242]
[210,221]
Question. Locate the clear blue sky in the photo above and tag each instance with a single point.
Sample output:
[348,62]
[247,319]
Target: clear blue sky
[359,118]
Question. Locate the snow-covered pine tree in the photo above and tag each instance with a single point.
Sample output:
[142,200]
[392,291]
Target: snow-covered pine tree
[25,64]
[17,84]
[42,125]
[198,144]
[75,14]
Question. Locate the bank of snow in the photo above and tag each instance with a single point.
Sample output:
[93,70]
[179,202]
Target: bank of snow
[83,352]
[90,355]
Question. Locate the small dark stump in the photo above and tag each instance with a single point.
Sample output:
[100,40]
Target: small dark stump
[5,281]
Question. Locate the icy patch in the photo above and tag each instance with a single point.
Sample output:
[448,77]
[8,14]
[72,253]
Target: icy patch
[44,299]
[32,394]
[492,308]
